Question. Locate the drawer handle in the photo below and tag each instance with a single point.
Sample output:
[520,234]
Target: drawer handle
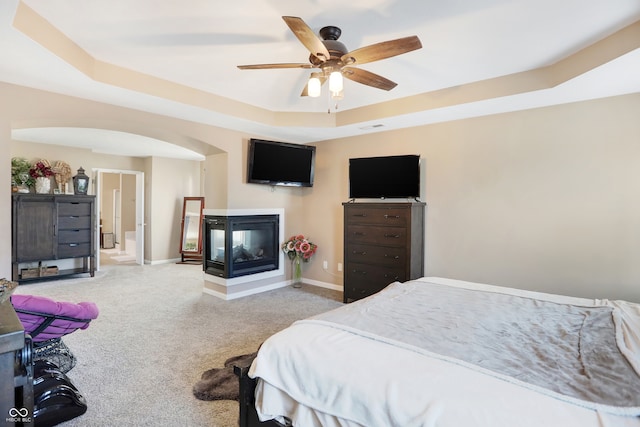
[392,236]
[360,215]
[392,216]
[73,244]
[360,272]
[394,257]
[358,233]
[394,277]
[359,253]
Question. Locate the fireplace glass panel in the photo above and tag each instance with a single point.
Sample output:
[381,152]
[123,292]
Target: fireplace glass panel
[217,245]
[252,245]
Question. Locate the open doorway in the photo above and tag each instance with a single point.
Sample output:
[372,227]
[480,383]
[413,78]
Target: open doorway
[120,206]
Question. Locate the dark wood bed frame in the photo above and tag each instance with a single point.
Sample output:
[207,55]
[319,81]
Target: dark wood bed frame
[247,401]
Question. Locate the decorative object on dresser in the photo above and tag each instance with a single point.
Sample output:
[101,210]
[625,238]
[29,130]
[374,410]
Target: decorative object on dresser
[47,228]
[299,249]
[42,172]
[80,182]
[20,178]
[383,243]
[62,174]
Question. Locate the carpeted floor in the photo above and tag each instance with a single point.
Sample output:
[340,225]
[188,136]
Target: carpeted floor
[157,333]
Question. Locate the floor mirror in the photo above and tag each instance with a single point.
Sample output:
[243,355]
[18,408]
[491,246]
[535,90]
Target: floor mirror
[191,232]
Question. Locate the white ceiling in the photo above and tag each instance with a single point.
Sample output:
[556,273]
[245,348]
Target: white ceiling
[198,44]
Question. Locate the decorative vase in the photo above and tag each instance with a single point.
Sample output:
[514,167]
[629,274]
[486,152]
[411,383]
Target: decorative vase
[43,185]
[296,271]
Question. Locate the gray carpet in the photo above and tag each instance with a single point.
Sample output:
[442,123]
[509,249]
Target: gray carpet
[157,333]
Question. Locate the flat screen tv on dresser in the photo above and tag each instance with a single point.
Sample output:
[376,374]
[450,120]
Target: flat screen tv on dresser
[384,177]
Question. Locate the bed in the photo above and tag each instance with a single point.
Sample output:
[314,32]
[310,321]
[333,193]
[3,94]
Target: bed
[448,353]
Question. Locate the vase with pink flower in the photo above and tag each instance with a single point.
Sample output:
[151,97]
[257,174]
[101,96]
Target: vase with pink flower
[298,249]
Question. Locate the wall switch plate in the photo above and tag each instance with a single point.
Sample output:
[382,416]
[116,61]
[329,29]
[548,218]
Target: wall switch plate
[325,264]
[339,266]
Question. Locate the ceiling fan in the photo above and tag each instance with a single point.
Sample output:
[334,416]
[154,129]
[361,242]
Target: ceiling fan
[335,61]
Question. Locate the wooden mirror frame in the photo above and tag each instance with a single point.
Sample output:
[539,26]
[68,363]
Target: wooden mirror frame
[190,255]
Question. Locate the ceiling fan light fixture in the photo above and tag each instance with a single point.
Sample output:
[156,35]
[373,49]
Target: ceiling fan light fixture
[313,87]
[336,62]
[336,83]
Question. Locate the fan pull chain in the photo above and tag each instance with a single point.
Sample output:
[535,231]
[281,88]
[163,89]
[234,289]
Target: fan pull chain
[329,100]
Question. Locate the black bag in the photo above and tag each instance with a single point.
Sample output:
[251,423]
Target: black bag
[55,398]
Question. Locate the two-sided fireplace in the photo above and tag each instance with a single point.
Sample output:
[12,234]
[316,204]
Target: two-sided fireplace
[240,245]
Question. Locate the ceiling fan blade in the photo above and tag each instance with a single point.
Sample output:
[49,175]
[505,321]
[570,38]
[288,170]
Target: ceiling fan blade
[307,37]
[268,66]
[368,78]
[323,78]
[383,50]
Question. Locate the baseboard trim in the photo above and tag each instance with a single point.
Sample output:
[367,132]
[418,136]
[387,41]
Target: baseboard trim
[321,284]
[163,261]
[248,292]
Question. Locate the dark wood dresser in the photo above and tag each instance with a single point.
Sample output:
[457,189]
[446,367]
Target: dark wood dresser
[48,227]
[383,243]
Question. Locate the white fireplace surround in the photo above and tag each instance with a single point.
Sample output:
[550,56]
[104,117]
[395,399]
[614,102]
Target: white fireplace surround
[237,287]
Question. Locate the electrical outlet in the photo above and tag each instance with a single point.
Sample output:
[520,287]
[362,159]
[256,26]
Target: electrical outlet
[325,264]
[339,266]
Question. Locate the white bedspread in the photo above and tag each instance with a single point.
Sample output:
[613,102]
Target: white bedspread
[320,373]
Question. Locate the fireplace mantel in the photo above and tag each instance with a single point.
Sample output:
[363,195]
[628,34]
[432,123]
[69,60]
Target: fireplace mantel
[235,287]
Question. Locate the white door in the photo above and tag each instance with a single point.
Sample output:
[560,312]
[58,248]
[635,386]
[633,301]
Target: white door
[139,214]
[140,218]
[117,217]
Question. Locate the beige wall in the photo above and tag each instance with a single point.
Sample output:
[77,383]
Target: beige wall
[215,181]
[546,199]
[171,181]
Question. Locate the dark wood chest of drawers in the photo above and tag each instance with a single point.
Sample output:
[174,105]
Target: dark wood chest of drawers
[383,243]
[46,228]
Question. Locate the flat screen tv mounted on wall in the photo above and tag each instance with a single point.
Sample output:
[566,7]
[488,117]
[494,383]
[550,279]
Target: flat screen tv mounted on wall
[280,163]
[384,177]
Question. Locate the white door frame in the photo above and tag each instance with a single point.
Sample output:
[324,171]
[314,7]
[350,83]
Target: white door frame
[97,180]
